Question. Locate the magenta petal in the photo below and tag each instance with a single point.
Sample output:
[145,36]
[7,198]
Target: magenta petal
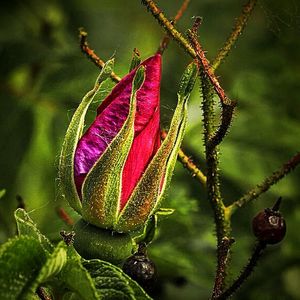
[113,112]
[144,147]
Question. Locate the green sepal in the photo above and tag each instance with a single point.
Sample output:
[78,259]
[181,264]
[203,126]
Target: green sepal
[187,80]
[101,189]
[149,231]
[150,190]
[73,134]
[136,60]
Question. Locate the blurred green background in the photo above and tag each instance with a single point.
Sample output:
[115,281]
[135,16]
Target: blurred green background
[44,75]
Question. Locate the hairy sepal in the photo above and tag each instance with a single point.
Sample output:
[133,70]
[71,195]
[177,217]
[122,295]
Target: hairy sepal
[101,191]
[153,185]
[66,162]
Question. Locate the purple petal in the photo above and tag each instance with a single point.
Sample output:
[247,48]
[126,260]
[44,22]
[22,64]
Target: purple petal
[113,112]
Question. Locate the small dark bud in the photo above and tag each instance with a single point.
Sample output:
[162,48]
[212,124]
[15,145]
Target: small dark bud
[269,226]
[141,269]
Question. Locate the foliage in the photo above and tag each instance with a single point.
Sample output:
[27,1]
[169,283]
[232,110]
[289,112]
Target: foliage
[30,260]
[43,75]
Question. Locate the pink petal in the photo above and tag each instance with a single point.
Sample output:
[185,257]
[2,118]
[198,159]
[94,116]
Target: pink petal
[144,147]
[112,113]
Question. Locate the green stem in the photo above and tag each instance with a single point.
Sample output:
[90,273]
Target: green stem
[166,39]
[212,159]
[85,48]
[223,257]
[239,26]
[267,183]
[227,104]
[213,182]
[169,27]
[188,163]
[258,251]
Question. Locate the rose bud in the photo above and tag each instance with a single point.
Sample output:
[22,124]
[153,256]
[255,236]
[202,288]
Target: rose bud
[116,174]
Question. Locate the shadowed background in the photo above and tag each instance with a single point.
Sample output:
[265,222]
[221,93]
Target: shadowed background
[44,75]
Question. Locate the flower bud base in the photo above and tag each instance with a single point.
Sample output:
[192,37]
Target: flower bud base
[92,242]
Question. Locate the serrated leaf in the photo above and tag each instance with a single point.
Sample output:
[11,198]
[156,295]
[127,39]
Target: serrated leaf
[52,266]
[73,134]
[77,278]
[102,186]
[54,263]
[27,227]
[21,259]
[112,283]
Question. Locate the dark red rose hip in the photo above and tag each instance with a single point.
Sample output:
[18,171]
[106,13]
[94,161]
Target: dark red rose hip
[269,226]
[141,269]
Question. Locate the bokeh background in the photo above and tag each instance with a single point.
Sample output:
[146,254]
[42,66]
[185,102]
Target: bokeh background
[44,75]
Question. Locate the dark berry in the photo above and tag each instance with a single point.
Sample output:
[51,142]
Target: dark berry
[141,269]
[269,226]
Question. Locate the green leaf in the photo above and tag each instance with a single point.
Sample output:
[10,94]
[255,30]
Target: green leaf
[74,131]
[102,186]
[26,226]
[21,259]
[147,195]
[77,278]
[112,283]
[52,266]
[55,262]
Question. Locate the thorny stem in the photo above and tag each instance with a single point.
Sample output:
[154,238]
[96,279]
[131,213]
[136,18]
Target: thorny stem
[267,183]
[239,26]
[222,213]
[166,39]
[227,104]
[223,257]
[188,163]
[213,183]
[258,250]
[209,85]
[169,27]
[85,48]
